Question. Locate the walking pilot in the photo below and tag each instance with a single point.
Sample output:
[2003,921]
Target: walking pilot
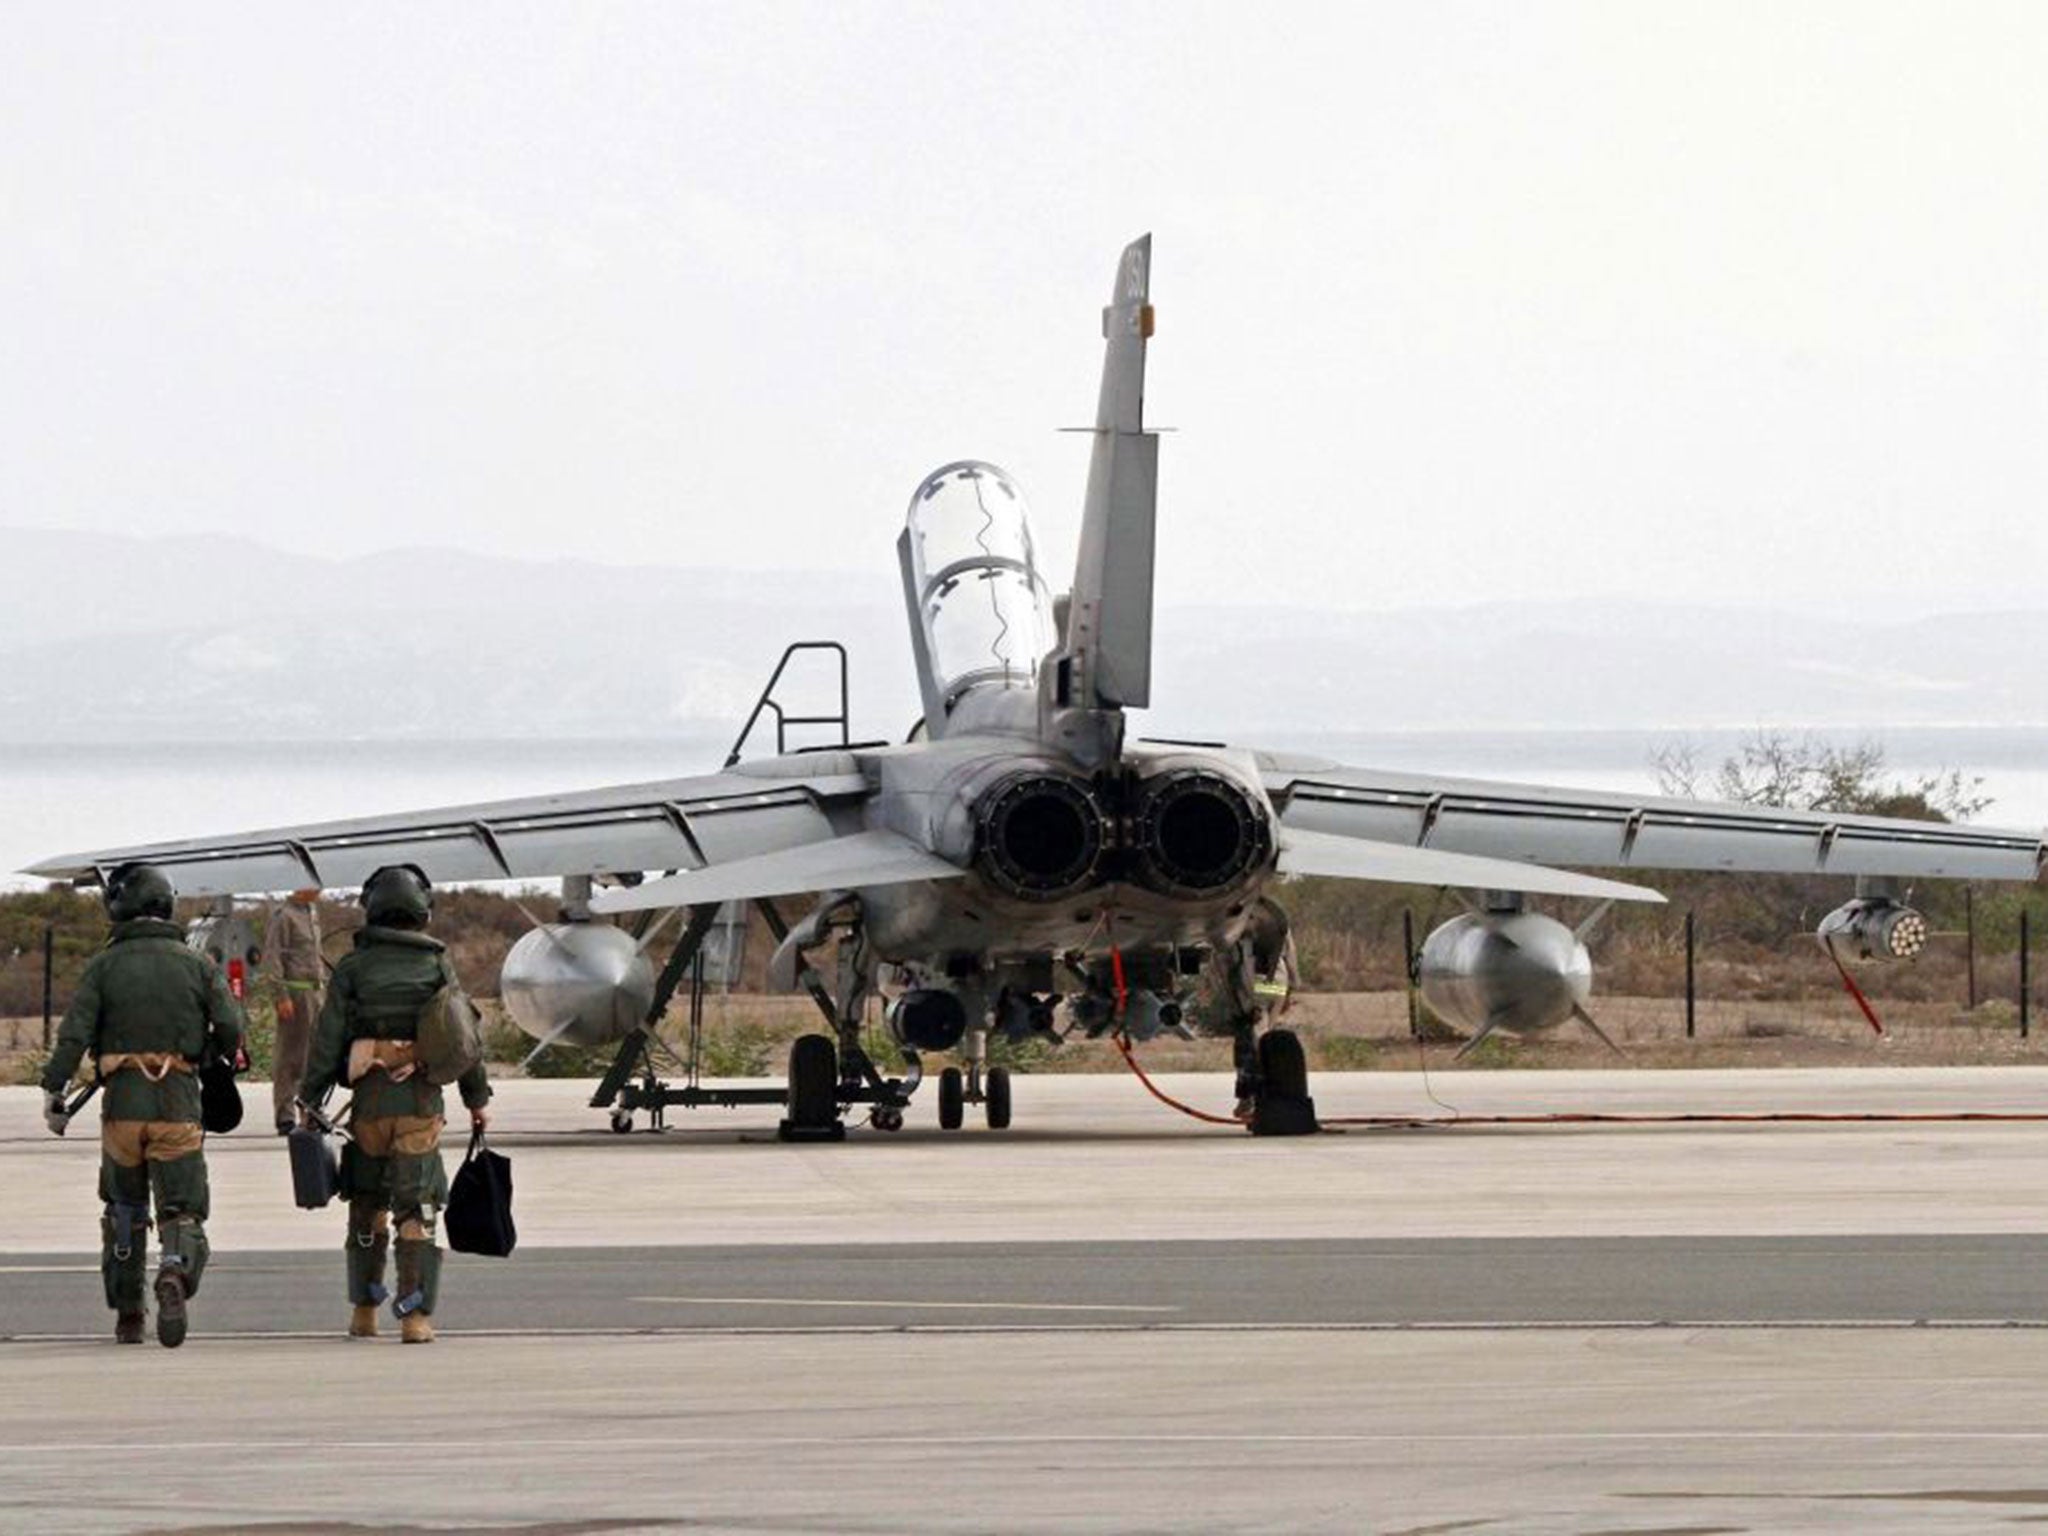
[151,1012]
[391,1168]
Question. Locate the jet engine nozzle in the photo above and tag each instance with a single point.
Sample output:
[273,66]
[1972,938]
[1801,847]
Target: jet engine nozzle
[1516,971]
[1198,833]
[1873,928]
[581,984]
[928,1019]
[1040,836]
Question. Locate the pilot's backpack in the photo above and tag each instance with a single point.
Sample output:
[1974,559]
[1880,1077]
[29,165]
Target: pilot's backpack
[450,1037]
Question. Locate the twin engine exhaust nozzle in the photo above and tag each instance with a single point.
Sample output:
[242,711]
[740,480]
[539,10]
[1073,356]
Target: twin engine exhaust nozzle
[1189,833]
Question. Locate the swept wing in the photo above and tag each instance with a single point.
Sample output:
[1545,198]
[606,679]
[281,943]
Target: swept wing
[688,823]
[1542,825]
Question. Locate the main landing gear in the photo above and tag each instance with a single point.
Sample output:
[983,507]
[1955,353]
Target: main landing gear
[828,1073]
[1272,1084]
[813,1091]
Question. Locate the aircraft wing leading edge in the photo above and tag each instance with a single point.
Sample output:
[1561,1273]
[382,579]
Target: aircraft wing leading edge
[667,824]
[1602,830]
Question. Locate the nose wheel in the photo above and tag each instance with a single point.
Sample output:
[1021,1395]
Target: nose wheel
[990,1089]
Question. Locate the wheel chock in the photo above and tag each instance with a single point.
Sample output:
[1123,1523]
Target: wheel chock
[789,1130]
[1281,1114]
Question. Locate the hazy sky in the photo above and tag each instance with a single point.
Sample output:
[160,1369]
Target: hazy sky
[1493,301]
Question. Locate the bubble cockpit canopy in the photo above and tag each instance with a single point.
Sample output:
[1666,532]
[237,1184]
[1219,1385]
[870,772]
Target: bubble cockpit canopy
[985,611]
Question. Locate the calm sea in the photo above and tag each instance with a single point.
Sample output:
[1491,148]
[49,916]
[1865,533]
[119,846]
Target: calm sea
[58,799]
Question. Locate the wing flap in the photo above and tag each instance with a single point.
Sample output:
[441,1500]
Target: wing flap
[842,863]
[675,823]
[1350,858]
[1536,824]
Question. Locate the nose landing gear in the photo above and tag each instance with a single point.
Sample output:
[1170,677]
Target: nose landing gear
[979,1084]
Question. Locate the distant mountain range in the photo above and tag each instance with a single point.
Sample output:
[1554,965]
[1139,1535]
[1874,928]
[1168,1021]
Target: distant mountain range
[105,638]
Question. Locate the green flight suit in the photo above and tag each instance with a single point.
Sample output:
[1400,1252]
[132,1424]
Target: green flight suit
[391,1168]
[146,994]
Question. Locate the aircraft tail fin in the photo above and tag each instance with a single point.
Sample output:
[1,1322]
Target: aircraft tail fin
[1107,653]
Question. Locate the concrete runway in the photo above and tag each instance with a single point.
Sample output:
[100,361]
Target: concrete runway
[1635,1329]
[1283,1283]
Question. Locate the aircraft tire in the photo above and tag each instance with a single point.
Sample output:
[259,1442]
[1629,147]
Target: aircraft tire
[995,1098]
[952,1099]
[813,1081]
[1283,1068]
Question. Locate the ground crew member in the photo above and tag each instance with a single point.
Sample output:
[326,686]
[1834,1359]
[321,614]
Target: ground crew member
[391,1169]
[151,1012]
[295,942]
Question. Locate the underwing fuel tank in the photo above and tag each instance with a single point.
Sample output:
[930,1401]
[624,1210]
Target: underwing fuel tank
[1516,971]
[583,984]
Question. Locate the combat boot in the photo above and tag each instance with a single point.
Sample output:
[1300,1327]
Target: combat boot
[419,1281]
[170,1307]
[362,1323]
[128,1328]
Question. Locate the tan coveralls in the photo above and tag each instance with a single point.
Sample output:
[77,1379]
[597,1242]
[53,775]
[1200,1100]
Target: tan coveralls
[296,944]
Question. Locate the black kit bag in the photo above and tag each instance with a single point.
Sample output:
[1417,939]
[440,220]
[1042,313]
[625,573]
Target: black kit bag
[478,1218]
[316,1171]
[220,1100]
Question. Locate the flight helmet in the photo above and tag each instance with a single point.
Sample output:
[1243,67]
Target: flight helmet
[138,890]
[399,896]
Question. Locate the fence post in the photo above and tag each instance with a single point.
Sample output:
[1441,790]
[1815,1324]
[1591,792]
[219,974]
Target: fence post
[49,976]
[2024,947]
[1408,970]
[1689,1022]
[1970,943]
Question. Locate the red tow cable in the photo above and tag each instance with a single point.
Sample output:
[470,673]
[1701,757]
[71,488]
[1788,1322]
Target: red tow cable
[1168,1100]
[1592,1117]
[1855,991]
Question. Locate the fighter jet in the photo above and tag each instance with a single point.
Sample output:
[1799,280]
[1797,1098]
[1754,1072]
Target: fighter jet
[1027,866]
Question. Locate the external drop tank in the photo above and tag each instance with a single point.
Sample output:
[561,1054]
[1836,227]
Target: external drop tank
[584,984]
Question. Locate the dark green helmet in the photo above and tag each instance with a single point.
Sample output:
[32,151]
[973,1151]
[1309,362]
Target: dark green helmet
[138,890]
[399,896]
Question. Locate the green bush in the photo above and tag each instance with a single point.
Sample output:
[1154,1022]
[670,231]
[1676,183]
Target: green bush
[1031,1054]
[259,1037]
[740,1050]
[1494,1051]
[1347,1053]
